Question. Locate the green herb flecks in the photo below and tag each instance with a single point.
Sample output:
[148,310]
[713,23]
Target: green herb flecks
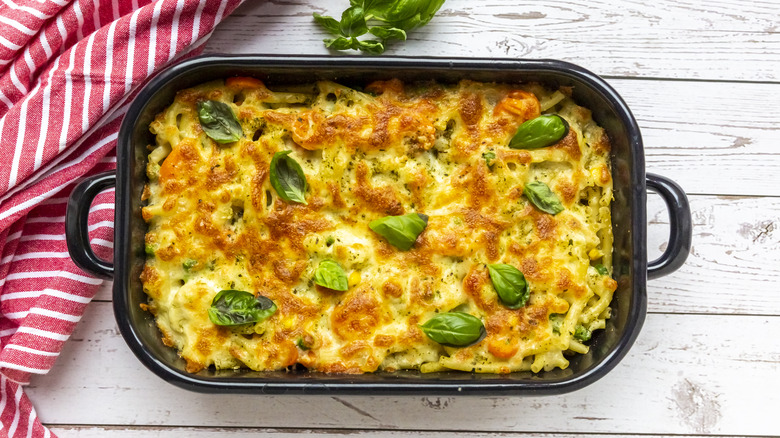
[489,157]
[581,333]
[556,320]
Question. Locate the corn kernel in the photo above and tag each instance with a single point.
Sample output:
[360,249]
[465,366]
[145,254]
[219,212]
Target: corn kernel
[354,278]
[595,254]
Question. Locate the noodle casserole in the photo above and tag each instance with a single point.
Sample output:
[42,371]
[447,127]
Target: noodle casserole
[392,226]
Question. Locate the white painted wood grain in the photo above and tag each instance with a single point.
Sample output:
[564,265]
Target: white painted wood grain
[700,39]
[178,432]
[734,265]
[686,374]
[710,137]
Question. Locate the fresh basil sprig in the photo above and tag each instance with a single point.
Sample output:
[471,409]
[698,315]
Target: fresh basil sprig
[455,329]
[219,122]
[510,285]
[330,275]
[237,307]
[400,231]
[542,197]
[287,178]
[384,19]
[543,131]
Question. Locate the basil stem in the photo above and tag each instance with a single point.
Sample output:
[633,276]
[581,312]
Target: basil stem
[400,231]
[543,131]
[237,307]
[454,329]
[287,178]
[510,285]
[387,33]
[330,275]
[542,197]
[219,122]
[581,333]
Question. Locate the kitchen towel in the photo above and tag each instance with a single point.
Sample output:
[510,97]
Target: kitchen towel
[68,69]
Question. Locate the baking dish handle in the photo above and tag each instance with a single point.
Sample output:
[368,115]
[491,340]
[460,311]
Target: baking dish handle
[680,227]
[77,221]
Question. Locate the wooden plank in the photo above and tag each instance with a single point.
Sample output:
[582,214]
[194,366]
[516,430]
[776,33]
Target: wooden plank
[687,374]
[734,265]
[710,137]
[196,432]
[693,39]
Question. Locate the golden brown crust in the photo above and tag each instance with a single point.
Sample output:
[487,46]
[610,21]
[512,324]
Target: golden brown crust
[216,222]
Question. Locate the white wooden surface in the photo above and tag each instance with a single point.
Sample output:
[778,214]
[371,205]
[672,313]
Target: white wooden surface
[703,79]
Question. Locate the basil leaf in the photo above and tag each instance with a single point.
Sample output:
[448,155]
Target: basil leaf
[340,43]
[407,14]
[601,269]
[287,178]
[510,285]
[387,33]
[329,23]
[543,131]
[353,22]
[372,7]
[454,329]
[219,122]
[581,333]
[236,307]
[329,274]
[400,231]
[542,197]
[372,47]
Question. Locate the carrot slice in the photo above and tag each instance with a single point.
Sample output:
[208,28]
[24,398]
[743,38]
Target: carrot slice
[243,82]
[520,103]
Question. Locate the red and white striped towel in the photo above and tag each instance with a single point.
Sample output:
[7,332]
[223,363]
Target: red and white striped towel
[68,68]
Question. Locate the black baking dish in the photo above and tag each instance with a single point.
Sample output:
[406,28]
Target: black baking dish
[629,222]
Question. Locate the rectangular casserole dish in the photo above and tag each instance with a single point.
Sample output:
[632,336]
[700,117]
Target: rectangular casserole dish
[628,214]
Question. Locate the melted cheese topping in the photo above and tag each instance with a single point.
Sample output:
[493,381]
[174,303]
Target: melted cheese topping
[215,222]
